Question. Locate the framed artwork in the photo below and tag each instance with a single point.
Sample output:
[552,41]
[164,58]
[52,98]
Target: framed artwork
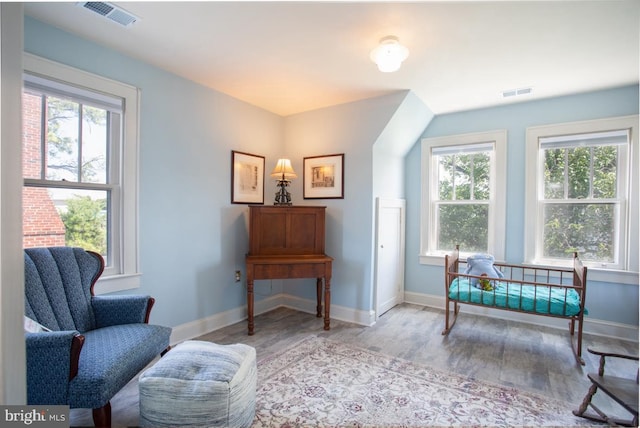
[247,178]
[323,177]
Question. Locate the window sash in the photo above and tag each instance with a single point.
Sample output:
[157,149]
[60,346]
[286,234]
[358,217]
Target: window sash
[621,155]
[123,173]
[620,132]
[493,142]
[455,184]
[436,227]
[112,140]
[457,232]
[585,248]
[112,184]
[586,140]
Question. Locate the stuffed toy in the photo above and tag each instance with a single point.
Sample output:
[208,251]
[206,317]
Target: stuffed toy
[482,265]
[484,283]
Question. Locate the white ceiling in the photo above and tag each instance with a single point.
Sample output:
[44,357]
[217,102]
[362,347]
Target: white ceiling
[290,57]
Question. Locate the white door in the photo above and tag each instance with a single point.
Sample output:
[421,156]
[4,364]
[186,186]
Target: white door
[389,280]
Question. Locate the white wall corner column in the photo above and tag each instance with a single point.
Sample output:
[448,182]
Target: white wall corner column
[12,358]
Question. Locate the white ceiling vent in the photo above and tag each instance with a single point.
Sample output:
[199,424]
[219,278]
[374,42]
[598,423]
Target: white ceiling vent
[111,12]
[516,92]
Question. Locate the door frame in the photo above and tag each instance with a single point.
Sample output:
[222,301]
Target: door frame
[382,203]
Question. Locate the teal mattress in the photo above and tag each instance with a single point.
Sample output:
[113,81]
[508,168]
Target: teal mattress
[528,298]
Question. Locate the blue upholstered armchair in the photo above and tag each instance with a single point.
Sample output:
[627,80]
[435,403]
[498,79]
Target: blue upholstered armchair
[96,345]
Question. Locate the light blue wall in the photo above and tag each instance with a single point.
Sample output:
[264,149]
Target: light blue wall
[192,238]
[352,129]
[408,122]
[605,301]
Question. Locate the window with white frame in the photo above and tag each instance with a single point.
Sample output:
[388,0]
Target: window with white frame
[463,195]
[80,166]
[578,188]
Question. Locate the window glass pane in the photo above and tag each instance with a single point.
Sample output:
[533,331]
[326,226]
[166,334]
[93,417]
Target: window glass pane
[481,181]
[445,177]
[65,217]
[579,163]
[94,145]
[554,172]
[462,173]
[589,229]
[31,135]
[463,224]
[605,172]
[464,176]
[41,222]
[62,139]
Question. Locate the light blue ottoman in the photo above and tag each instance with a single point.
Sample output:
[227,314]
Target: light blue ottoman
[200,384]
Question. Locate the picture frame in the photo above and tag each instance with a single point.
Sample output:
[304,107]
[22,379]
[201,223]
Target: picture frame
[323,177]
[247,178]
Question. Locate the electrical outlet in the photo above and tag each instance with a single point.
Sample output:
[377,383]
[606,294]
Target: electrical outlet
[238,275]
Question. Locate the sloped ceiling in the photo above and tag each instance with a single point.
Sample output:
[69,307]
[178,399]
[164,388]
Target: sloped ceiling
[291,57]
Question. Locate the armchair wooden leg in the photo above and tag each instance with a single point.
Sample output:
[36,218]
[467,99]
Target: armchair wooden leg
[599,415]
[162,354]
[587,400]
[102,416]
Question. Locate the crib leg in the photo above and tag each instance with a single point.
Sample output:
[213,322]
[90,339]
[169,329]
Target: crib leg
[446,318]
[579,344]
[577,348]
[447,326]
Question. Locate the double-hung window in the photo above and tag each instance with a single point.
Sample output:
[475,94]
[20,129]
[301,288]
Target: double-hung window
[463,194]
[579,192]
[80,166]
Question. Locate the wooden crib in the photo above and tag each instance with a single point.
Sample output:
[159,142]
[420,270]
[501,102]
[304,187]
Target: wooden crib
[544,291]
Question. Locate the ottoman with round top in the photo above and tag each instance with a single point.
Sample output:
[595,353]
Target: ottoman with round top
[200,384]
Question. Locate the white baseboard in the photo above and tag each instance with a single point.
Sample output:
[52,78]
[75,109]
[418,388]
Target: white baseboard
[591,326]
[356,316]
[206,325]
[368,318]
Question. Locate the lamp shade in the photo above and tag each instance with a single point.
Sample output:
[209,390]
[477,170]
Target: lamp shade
[283,170]
[389,54]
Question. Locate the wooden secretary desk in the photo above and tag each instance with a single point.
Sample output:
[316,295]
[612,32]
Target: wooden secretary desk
[288,242]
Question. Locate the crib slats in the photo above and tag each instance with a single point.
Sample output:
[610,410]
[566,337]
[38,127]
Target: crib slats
[545,281]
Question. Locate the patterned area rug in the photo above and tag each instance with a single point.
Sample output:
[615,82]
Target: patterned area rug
[322,383]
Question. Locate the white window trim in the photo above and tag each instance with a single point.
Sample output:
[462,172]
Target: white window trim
[127,230]
[629,274]
[498,201]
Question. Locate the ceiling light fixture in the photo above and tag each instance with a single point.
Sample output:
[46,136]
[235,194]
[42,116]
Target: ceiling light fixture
[389,54]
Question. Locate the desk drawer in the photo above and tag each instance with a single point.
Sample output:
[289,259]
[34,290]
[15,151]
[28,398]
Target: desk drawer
[298,270]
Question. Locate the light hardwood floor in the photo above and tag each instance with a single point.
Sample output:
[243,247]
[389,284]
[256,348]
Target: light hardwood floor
[536,359]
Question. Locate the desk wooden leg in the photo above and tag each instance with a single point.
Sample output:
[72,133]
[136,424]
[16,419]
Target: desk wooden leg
[319,297]
[327,302]
[250,305]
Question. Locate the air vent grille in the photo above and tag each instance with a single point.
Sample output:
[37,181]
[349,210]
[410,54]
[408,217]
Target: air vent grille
[98,7]
[516,92]
[111,12]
